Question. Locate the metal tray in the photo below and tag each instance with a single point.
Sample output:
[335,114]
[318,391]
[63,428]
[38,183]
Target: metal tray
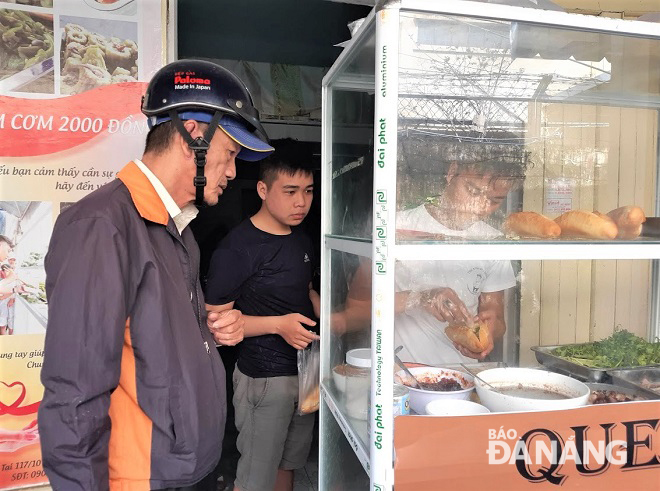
[557,364]
[633,378]
[629,391]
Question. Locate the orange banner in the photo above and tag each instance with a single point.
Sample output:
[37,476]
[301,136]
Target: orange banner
[604,447]
[30,127]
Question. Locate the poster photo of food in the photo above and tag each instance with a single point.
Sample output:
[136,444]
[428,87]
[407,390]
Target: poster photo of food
[28,226]
[26,52]
[96,8]
[96,52]
[117,7]
[32,3]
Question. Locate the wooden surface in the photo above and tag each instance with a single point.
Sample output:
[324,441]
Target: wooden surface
[608,154]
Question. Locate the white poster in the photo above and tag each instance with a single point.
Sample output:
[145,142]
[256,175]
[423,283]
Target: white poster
[72,73]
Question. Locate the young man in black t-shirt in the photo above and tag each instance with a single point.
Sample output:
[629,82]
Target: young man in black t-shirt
[264,268]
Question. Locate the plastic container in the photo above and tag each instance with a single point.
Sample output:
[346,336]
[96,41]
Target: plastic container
[401,400]
[357,380]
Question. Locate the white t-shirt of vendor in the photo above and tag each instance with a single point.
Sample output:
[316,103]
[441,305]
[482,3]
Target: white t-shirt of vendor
[420,333]
[419,220]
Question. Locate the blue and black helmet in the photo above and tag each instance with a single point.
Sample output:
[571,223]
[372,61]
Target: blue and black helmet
[208,93]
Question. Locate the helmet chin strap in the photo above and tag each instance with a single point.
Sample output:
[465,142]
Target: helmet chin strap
[199,146]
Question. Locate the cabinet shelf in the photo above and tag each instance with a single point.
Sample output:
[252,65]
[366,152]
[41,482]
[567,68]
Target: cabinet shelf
[529,250]
[350,427]
[499,250]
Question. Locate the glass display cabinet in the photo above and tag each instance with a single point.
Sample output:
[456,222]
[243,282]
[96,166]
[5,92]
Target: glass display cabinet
[491,171]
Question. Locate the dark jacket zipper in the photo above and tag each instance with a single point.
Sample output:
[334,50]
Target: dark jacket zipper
[193,286]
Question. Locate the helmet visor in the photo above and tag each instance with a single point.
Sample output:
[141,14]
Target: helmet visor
[252,147]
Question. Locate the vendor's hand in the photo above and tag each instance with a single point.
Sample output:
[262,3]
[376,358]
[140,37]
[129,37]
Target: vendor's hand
[338,323]
[444,305]
[226,326]
[485,323]
[292,328]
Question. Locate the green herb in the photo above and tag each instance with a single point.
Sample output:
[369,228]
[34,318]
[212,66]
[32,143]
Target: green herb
[621,349]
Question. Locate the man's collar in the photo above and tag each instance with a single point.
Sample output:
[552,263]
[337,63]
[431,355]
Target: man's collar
[170,205]
[143,194]
[151,199]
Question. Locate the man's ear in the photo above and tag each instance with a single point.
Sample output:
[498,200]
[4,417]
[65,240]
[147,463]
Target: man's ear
[262,189]
[193,128]
[451,172]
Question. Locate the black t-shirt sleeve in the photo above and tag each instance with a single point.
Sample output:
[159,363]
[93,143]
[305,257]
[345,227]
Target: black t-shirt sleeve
[228,271]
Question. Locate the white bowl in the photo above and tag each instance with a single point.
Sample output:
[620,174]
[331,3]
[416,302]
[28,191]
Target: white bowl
[454,407]
[528,389]
[420,398]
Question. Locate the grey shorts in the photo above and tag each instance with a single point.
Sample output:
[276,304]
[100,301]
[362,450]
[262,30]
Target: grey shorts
[271,435]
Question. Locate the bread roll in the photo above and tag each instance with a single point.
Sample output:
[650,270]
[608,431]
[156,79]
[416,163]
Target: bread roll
[531,224]
[311,402]
[629,233]
[604,217]
[628,216]
[473,338]
[579,223]
[629,219]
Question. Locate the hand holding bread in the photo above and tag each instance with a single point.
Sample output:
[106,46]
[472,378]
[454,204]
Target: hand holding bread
[443,303]
[475,339]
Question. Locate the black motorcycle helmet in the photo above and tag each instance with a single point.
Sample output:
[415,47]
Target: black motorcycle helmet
[208,93]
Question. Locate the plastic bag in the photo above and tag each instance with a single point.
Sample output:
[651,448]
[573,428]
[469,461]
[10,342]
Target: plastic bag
[308,378]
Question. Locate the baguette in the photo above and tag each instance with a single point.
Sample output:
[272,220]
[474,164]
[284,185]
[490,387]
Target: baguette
[604,217]
[473,338]
[578,223]
[629,219]
[311,402]
[629,233]
[628,216]
[531,224]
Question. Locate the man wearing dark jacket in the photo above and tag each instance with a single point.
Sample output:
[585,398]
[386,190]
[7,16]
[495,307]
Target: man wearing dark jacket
[134,389]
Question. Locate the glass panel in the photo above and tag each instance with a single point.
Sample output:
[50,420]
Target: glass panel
[341,469]
[522,304]
[359,65]
[532,4]
[500,117]
[350,324]
[352,163]
[352,101]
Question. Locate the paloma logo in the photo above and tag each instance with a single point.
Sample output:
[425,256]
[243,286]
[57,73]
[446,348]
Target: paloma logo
[178,79]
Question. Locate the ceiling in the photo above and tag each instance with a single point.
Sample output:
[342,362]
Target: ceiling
[304,32]
[608,8]
[295,32]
